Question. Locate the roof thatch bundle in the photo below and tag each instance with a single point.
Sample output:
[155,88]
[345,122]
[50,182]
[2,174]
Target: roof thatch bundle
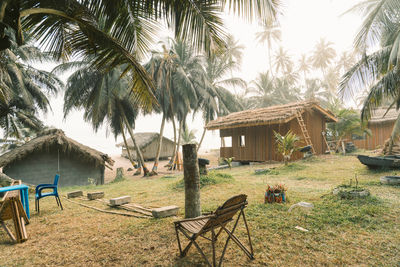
[56,139]
[379,115]
[143,140]
[269,115]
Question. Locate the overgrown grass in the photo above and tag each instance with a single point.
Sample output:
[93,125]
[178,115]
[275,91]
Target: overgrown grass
[119,179]
[342,232]
[211,179]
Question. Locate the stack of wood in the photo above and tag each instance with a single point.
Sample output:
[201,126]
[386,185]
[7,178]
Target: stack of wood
[11,209]
[395,149]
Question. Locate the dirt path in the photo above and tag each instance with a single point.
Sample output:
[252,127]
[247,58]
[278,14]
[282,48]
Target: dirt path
[121,162]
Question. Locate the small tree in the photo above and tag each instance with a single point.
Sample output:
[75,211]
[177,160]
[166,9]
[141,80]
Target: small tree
[286,144]
[349,123]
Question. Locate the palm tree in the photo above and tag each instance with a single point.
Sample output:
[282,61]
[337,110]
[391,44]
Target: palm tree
[271,33]
[349,123]
[291,76]
[180,80]
[346,61]
[323,55]
[315,91]
[304,66]
[188,136]
[119,33]
[331,82]
[286,144]
[282,60]
[264,88]
[23,89]
[268,91]
[217,100]
[106,99]
[376,72]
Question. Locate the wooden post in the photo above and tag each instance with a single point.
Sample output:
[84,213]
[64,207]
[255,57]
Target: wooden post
[120,173]
[344,148]
[191,177]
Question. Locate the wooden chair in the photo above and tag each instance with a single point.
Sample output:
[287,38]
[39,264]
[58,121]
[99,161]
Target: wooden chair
[215,223]
[11,209]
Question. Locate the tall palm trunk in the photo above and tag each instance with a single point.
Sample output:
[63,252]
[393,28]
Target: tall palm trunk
[154,170]
[139,153]
[181,122]
[126,146]
[171,161]
[201,139]
[270,62]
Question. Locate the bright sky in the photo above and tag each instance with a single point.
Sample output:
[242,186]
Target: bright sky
[303,24]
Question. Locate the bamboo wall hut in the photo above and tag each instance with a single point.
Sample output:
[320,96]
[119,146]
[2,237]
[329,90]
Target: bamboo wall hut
[38,160]
[148,143]
[381,127]
[249,135]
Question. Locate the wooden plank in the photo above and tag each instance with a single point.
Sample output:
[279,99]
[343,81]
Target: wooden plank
[165,211]
[95,195]
[16,221]
[9,233]
[73,194]
[120,200]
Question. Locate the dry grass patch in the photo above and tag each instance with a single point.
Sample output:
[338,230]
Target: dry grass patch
[341,232]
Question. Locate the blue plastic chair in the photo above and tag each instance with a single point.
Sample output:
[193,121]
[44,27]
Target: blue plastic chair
[39,194]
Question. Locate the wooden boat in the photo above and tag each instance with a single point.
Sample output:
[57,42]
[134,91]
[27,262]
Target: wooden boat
[380,161]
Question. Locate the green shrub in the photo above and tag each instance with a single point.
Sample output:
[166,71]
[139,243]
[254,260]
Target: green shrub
[118,179]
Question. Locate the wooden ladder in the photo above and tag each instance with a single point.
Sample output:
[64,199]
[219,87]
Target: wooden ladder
[304,131]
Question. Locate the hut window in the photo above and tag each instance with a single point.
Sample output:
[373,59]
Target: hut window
[242,141]
[358,137]
[226,141]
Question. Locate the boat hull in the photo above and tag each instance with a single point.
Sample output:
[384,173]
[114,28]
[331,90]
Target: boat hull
[380,162]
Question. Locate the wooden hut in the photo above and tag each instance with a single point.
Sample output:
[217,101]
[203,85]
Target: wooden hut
[381,127]
[38,160]
[249,135]
[148,143]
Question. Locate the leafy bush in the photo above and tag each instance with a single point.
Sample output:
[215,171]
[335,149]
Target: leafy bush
[286,144]
[210,179]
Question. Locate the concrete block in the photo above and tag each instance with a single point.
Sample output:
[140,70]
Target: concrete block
[95,195]
[165,211]
[236,163]
[73,194]
[120,200]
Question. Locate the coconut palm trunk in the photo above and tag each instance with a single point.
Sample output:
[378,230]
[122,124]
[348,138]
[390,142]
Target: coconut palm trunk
[171,161]
[181,123]
[139,153]
[127,147]
[155,166]
[202,138]
[178,143]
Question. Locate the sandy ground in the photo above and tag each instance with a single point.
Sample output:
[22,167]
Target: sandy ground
[121,162]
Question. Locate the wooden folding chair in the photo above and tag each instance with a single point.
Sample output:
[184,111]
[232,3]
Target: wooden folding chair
[11,209]
[215,223]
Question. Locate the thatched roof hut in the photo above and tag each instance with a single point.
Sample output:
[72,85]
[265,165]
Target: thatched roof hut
[381,125]
[148,144]
[56,138]
[52,150]
[279,114]
[249,135]
[382,115]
